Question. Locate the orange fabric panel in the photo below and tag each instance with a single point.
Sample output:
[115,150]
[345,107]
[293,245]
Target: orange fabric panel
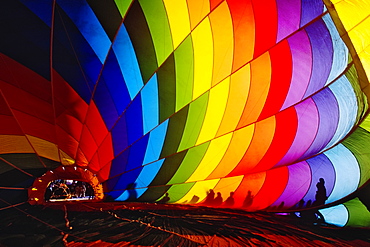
[198,9]
[260,84]
[263,135]
[252,183]
[244,31]
[66,142]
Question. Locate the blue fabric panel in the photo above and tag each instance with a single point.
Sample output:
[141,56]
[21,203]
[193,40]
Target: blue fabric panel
[347,172]
[105,104]
[134,120]
[340,56]
[127,60]
[310,10]
[85,20]
[25,37]
[337,215]
[321,167]
[322,55]
[155,144]
[147,175]
[116,84]
[119,164]
[129,195]
[42,8]
[327,106]
[149,98]
[127,180]
[119,136]
[347,101]
[137,152]
[77,63]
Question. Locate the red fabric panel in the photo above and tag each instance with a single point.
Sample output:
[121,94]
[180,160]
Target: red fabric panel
[286,127]
[88,145]
[9,126]
[103,174]
[275,183]
[27,103]
[67,100]
[266,21]
[70,125]
[105,151]
[66,142]
[34,126]
[22,77]
[95,124]
[281,75]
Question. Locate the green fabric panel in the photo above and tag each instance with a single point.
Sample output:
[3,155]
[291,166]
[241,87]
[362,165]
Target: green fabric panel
[111,22]
[138,30]
[194,123]
[178,191]
[123,6]
[167,89]
[362,103]
[184,73]
[153,194]
[190,163]
[359,216]
[168,169]
[358,144]
[159,28]
[175,130]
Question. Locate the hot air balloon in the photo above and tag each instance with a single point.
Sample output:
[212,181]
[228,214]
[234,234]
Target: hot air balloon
[254,105]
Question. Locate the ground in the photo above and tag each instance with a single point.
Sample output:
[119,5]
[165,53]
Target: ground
[140,224]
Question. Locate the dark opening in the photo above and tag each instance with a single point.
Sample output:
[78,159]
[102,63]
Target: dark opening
[66,190]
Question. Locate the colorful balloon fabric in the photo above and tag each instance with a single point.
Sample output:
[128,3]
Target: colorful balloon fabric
[250,104]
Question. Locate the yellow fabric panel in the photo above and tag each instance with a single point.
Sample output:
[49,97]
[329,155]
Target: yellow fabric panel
[14,144]
[65,159]
[227,185]
[215,152]
[365,60]
[216,106]
[260,85]
[351,12]
[238,146]
[222,29]
[177,12]
[44,148]
[263,135]
[239,90]
[200,190]
[198,9]
[203,58]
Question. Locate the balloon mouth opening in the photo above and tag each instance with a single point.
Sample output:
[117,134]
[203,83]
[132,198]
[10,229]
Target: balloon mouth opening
[66,184]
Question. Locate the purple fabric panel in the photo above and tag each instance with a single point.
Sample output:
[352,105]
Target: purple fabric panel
[310,10]
[308,121]
[300,47]
[327,106]
[322,50]
[321,167]
[288,17]
[298,185]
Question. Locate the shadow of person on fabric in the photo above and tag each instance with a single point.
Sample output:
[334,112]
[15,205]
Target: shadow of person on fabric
[165,199]
[132,194]
[248,200]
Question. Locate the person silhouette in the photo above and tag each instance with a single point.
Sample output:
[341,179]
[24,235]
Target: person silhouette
[218,200]
[164,199]
[320,196]
[248,200]
[210,197]
[230,200]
